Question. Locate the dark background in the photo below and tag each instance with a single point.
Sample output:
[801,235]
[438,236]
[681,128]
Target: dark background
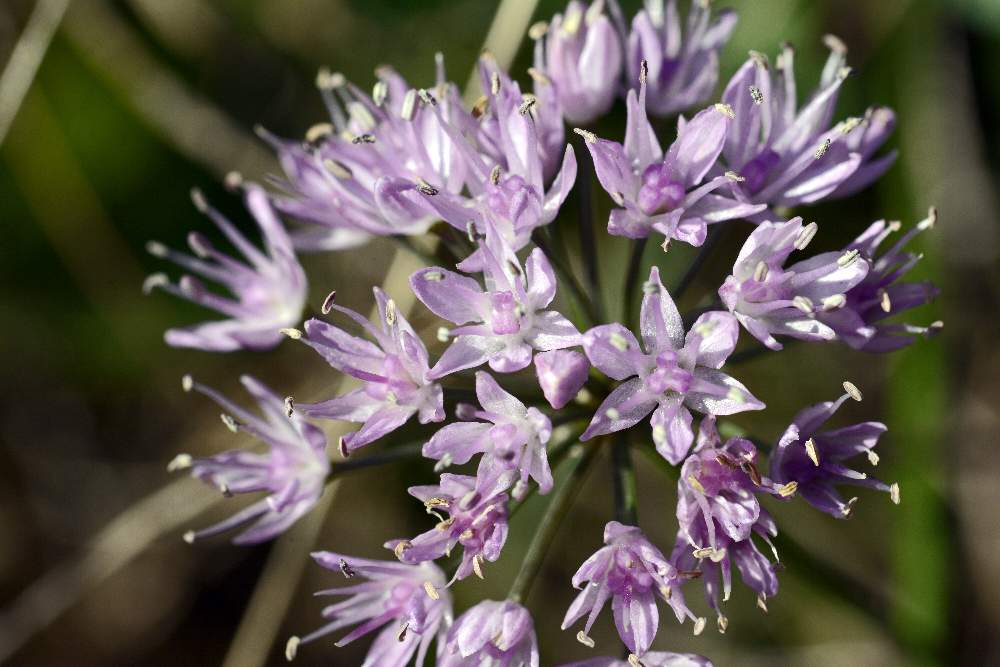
[139,100]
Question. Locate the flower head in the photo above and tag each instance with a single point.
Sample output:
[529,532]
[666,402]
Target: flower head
[667,193]
[882,295]
[801,300]
[269,286]
[581,52]
[477,520]
[292,472]
[499,634]
[669,375]
[394,371]
[395,597]
[512,440]
[814,460]
[503,324]
[633,573]
[718,513]
[683,64]
[788,155]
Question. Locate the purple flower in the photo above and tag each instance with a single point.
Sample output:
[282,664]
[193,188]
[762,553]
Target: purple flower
[800,300]
[394,371]
[718,513]
[477,520]
[632,572]
[880,295]
[359,175]
[669,375]
[512,440]
[503,324]
[651,659]
[683,65]
[666,193]
[409,602]
[269,287]
[814,461]
[790,156]
[561,375]
[292,473]
[583,59]
[498,634]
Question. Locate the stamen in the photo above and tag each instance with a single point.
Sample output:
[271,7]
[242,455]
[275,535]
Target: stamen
[811,452]
[725,109]
[342,447]
[699,625]
[633,660]
[495,175]
[894,493]
[153,281]
[618,341]
[612,414]
[589,137]
[643,71]
[444,334]
[444,463]
[432,592]
[229,422]
[930,220]
[188,537]
[538,30]
[327,80]
[346,569]
[834,301]
[822,149]
[425,188]
[805,236]
[847,126]
[292,648]
[762,603]
[804,304]
[733,176]
[848,507]
[477,565]
[852,390]
[693,481]
[584,639]
[409,104]
[337,170]
[379,92]
[756,95]
[289,406]
[760,272]
[723,623]
[665,246]
[157,249]
[180,462]
[400,547]
[495,83]
[390,312]
[328,302]
[187,383]
[527,104]
[848,258]
[788,490]
[884,301]
[291,332]
[318,132]
[426,97]
[873,457]
[363,139]
[401,634]
[470,231]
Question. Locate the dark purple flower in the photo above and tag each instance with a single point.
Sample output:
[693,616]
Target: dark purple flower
[583,59]
[683,63]
[512,441]
[503,324]
[269,286]
[408,602]
[800,300]
[669,375]
[814,460]
[477,520]
[882,294]
[394,371]
[494,634]
[561,375]
[651,659]
[667,193]
[790,156]
[633,573]
[718,512]
[292,472]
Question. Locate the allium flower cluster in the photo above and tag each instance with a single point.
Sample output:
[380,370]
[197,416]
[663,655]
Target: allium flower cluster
[521,328]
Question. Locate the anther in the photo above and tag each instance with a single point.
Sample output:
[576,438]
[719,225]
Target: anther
[762,603]
[760,272]
[618,341]
[425,188]
[180,462]
[318,132]
[612,414]
[157,249]
[527,104]
[538,30]
[894,493]
[589,137]
[805,236]
[292,648]
[401,633]
[811,451]
[788,490]
[848,258]
[444,463]
[426,97]
[584,639]
[187,383]
[400,547]
[444,334]
[363,139]
[495,83]
[849,507]
[835,44]
[390,312]
[342,447]
[699,625]
[884,301]
[643,70]
[723,624]
[379,92]
[470,231]
[834,301]
[328,302]
[291,332]
[495,175]
[477,565]
[154,281]
[432,592]
[233,180]
[289,406]
[852,390]
[224,490]
[733,176]
[337,170]
[756,95]
[409,103]
[803,303]
[873,457]
[822,149]
[725,109]
[327,80]
[693,481]
[229,422]
[930,220]
[188,537]
[346,569]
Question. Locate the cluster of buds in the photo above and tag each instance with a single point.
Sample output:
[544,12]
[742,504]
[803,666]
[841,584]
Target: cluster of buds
[557,383]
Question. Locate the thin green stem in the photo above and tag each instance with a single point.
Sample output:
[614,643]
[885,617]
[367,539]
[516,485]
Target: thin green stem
[623,471]
[410,450]
[715,234]
[579,459]
[407,244]
[588,242]
[632,280]
[567,277]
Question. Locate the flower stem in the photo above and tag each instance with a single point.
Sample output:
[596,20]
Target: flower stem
[588,242]
[579,458]
[410,450]
[715,235]
[632,279]
[566,275]
[626,510]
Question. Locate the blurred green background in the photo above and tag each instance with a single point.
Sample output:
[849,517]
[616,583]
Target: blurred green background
[137,101]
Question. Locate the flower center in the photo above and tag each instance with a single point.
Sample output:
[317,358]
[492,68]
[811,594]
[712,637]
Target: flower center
[660,191]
